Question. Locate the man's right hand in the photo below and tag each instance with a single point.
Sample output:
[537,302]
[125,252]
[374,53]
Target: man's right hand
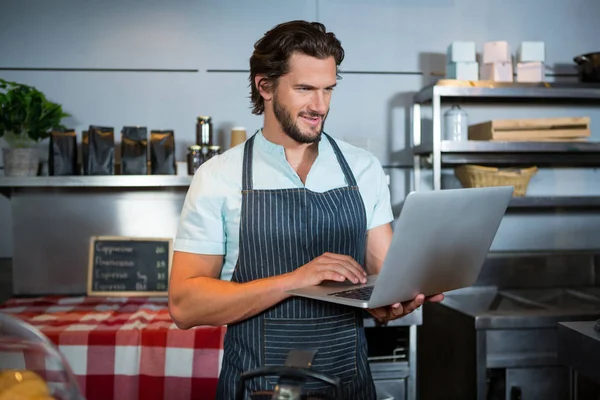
[329,266]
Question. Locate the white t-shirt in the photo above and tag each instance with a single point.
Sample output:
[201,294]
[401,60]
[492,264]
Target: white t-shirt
[210,219]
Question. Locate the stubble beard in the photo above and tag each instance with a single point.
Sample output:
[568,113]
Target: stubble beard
[291,129]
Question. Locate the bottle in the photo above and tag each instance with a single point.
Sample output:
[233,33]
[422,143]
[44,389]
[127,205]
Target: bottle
[213,151]
[195,158]
[204,131]
[456,124]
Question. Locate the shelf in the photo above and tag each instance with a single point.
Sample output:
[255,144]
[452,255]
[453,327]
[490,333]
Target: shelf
[449,89]
[124,181]
[555,202]
[584,154]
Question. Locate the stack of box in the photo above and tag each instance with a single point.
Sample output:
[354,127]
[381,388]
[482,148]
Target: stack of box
[461,61]
[530,62]
[496,62]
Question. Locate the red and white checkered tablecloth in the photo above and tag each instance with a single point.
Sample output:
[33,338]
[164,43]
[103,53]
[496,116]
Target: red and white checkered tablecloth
[126,348]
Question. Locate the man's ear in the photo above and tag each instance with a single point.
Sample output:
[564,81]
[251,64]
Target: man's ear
[264,86]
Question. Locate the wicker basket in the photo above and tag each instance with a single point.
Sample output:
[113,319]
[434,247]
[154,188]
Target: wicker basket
[471,176]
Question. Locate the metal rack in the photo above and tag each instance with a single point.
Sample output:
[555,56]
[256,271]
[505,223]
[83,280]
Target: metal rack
[102,181]
[441,153]
[515,347]
[56,184]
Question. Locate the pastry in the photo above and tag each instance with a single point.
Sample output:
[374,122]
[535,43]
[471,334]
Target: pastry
[23,385]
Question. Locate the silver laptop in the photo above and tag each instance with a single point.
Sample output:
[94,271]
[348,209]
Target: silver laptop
[440,242]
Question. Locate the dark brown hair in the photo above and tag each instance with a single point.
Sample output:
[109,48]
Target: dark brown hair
[272,53]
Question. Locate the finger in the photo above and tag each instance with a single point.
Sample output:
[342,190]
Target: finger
[378,312]
[331,272]
[410,307]
[347,260]
[414,304]
[329,275]
[436,298]
[420,298]
[398,311]
[346,270]
[355,268]
[379,316]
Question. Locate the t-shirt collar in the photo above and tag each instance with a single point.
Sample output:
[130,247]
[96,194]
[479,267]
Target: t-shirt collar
[274,148]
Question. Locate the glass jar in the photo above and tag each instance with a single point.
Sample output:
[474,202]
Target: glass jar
[213,151]
[195,158]
[204,131]
[456,125]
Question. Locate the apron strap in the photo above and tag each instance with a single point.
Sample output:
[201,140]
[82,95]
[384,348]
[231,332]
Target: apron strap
[342,161]
[247,163]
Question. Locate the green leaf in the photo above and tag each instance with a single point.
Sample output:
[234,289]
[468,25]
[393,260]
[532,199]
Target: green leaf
[26,115]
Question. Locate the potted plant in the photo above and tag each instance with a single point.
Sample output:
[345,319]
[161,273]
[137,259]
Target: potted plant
[27,117]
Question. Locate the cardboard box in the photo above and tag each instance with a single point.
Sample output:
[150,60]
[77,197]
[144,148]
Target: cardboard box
[530,72]
[532,129]
[461,52]
[531,52]
[495,52]
[498,72]
[464,71]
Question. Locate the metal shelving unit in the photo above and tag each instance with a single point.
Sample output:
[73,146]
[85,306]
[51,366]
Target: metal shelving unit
[9,185]
[100,181]
[434,154]
[440,153]
[580,202]
[584,154]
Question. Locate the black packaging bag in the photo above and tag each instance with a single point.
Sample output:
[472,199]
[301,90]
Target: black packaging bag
[62,157]
[162,152]
[101,150]
[134,150]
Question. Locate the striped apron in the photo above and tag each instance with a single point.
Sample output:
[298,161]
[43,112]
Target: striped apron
[281,230]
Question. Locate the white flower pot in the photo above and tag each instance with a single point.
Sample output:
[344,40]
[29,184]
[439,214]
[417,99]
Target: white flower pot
[20,162]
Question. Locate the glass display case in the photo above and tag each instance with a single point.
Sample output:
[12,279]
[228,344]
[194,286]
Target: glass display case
[31,367]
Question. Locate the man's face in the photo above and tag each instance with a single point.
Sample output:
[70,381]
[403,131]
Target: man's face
[302,96]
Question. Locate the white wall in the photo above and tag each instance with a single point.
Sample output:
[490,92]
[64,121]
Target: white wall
[367,109]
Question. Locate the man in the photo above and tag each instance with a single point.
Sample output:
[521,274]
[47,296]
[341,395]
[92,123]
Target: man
[291,207]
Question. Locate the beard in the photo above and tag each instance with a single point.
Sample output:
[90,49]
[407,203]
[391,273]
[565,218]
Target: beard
[284,117]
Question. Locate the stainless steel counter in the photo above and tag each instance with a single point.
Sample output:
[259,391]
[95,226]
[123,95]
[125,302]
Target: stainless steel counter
[487,343]
[579,349]
[54,217]
[491,308]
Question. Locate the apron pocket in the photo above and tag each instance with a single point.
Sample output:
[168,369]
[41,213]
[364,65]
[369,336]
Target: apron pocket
[334,339]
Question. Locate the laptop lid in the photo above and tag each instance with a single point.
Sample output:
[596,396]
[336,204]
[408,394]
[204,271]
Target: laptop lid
[440,242]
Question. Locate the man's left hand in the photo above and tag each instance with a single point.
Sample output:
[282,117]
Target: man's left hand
[399,310]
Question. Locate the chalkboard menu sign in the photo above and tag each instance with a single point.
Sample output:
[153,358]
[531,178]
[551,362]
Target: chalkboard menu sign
[126,266]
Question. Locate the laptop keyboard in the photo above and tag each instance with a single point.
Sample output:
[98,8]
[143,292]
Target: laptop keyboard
[362,293]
